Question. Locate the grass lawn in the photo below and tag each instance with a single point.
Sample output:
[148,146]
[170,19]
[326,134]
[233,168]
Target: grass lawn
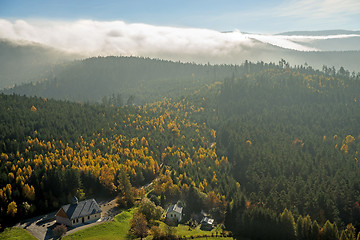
[16,234]
[214,238]
[183,231]
[117,229]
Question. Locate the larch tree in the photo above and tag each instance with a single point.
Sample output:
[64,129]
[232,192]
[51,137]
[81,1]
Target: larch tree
[126,194]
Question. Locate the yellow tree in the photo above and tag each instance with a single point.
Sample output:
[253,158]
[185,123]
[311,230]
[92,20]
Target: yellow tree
[201,187]
[29,192]
[33,109]
[12,209]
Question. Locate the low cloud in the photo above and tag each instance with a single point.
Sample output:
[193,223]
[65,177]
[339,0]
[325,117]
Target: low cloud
[119,38]
[95,38]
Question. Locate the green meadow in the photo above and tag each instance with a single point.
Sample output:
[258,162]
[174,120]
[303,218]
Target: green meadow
[15,233]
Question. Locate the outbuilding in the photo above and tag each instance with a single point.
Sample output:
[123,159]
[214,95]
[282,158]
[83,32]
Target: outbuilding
[207,223]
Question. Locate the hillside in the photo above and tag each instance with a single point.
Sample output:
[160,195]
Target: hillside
[27,62]
[293,139]
[143,80]
[92,79]
[267,150]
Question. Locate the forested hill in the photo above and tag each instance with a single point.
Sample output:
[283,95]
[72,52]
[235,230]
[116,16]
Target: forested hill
[293,137]
[91,80]
[52,150]
[127,80]
[25,63]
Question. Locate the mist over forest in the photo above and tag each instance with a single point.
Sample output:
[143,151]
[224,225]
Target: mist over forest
[33,48]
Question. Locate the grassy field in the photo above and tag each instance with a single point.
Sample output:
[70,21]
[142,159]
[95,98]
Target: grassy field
[215,238]
[16,234]
[183,231]
[117,229]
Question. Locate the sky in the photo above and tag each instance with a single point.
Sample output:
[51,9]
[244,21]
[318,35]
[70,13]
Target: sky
[195,30]
[255,16]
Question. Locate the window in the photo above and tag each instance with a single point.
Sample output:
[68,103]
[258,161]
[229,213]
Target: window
[74,221]
[88,217]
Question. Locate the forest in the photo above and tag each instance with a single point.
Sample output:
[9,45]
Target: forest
[268,149]
[145,80]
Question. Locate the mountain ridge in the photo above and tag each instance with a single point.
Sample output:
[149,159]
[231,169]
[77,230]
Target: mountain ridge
[319,32]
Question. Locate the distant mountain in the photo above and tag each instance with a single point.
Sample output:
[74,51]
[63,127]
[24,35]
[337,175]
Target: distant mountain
[329,40]
[146,80]
[319,33]
[168,71]
[25,62]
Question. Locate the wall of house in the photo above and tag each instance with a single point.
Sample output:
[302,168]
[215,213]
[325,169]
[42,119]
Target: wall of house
[93,217]
[174,216]
[76,221]
[63,220]
[90,218]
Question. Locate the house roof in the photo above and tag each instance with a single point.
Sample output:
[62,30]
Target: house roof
[207,220]
[174,208]
[81,209]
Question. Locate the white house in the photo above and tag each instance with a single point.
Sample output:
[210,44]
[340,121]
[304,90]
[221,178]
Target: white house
[78,212]
[174,213]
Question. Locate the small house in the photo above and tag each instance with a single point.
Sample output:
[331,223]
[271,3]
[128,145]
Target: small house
[207,223]
[78,212]
[174,213]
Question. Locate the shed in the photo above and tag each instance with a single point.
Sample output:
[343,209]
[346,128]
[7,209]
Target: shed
[207,223]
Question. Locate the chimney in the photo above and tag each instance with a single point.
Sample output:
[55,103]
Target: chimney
[75,201]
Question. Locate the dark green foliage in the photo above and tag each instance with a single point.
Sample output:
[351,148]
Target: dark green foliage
[150,210]
[126,196]
[260,223]
[349,233]
[329,231]
[194,202]
[287,223]
[284,130]
[291,136]
[304,228]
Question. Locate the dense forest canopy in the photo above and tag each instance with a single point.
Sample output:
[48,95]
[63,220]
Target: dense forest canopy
[144,80]
[265,148]
[292,138]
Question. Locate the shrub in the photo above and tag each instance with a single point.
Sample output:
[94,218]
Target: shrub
[59,230]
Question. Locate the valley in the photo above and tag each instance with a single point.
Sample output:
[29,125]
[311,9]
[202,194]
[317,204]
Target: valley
[265,149]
